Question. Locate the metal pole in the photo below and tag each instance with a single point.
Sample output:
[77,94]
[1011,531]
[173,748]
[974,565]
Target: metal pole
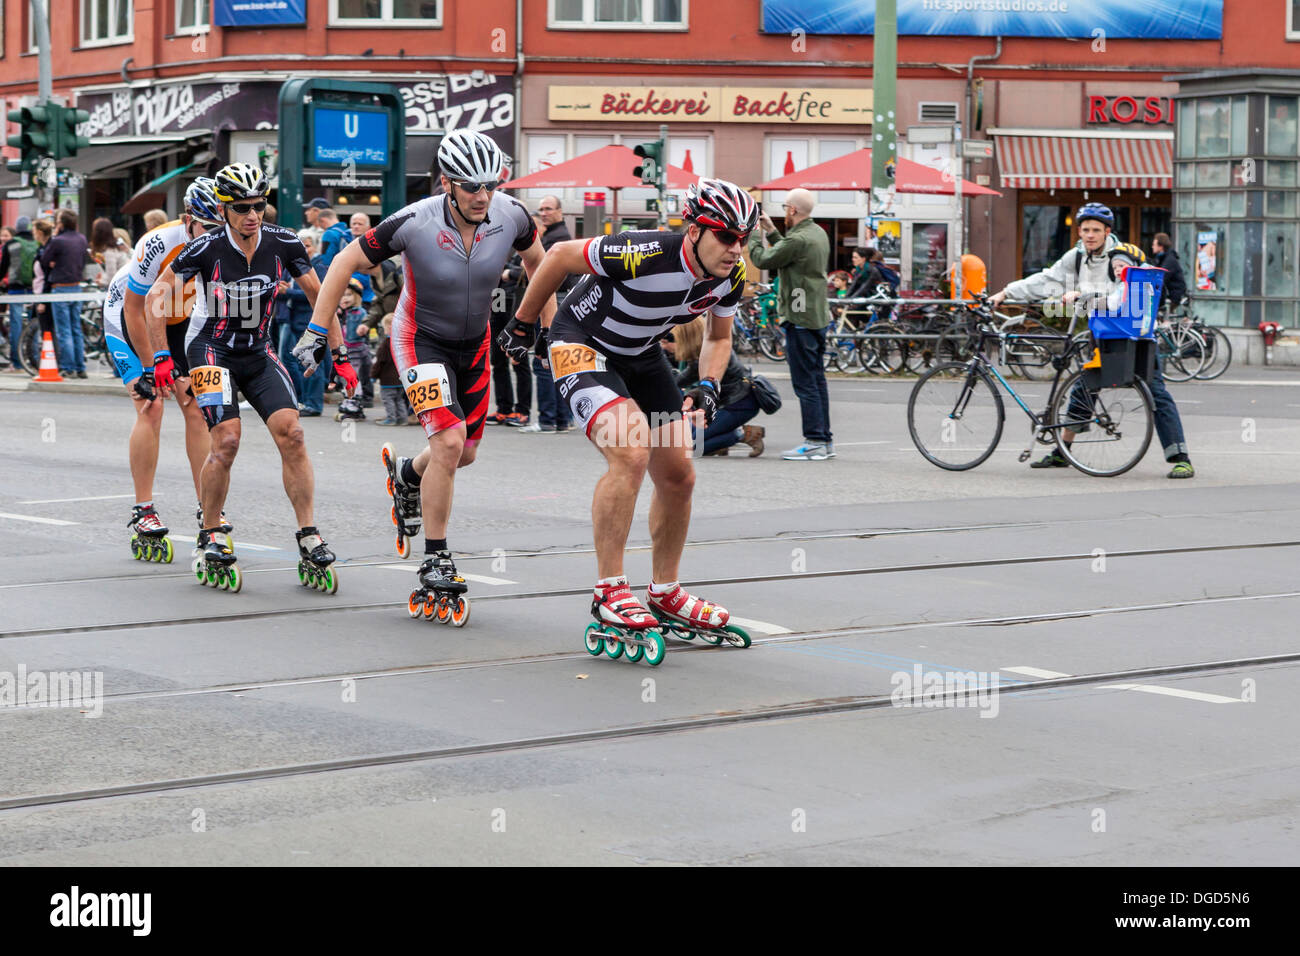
[960,162]
[44,83]
[663,179]
[884,126]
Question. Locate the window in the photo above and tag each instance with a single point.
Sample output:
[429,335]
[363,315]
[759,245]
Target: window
[618,14]
[31,24]
[1046,236]
[385,13]
[1279,258]
[1280,131]
[105,22]
[1293,19]
[1212,126]
[192,16]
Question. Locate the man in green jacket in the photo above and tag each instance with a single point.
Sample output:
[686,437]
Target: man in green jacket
[799,258]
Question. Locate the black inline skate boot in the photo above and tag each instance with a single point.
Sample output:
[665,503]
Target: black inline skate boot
[406,501]
[440,592]
[214,561]
[314,560]
[225,526]
[149,541]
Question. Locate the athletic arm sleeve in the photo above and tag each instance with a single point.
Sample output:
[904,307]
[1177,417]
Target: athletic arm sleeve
[526,234]
[296,257]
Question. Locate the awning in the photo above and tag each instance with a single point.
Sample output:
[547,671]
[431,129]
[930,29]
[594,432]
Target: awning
[105,159]
[1084,159]
[155,195]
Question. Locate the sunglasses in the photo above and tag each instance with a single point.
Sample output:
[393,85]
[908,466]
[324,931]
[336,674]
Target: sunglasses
[729,238]
[244,208]
[474,188]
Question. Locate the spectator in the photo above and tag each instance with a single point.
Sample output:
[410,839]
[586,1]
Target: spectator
[64,261]
[800,258]
[108,248]
[311,210]
[358,224]
[865,278]
[384,371]
[334,237]
[1174,289]
[124,237]
[512,382]
[153,219]
[5,235]
[386,284]
[553,412]
[840,283]
[42,232]
[736,402]
[351,319]
[270,214]
[1090,272]
[887,274]
[295,318]
[17,273]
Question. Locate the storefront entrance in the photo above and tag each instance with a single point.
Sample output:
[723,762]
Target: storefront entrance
[1047,228]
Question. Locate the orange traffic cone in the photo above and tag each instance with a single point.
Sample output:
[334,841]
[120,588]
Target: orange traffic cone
[49,371]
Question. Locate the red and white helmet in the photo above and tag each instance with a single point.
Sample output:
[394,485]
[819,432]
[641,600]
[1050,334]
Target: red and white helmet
[718,204]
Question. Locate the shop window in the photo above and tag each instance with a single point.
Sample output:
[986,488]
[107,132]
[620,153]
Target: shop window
[1153,219]
[929,256]
[828,149]
[1045,232]
[618,14]
[385,13]
[1185,139]
[1123,216]
[1279,258]
[1236,256]
[1187,205]
[1240,124]
[1208,258]
[1236,205]
[192,16]
[691,153]
[785,156]
[105,21]
[1236,314]
[542,152]
[1280,131]
[1185,175]
[1211,204]
[1212,126]
[1279,174]
[1279,204]
[1213,175]
[1212,311]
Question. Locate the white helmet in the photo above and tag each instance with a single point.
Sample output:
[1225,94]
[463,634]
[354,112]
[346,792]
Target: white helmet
[470,157]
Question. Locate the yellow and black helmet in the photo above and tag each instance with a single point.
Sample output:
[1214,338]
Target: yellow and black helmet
[240,181]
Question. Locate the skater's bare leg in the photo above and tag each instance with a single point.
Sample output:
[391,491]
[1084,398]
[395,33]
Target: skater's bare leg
[673,475]
[622,434]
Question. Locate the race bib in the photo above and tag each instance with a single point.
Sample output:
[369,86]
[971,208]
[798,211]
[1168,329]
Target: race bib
[210,385]
[427,387]
[572,359]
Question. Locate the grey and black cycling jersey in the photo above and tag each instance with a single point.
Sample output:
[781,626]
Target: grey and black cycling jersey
[447,291]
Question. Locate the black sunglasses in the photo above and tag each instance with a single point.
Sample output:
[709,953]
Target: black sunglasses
[474,188]
[244,208]
[729,238]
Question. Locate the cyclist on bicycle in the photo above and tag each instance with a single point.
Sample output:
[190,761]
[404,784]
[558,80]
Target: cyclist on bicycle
[127,337]
[454,246]
[238,269]
[604,353]
[1089,274]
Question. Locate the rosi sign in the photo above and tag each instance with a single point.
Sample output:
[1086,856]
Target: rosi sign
[1151,110]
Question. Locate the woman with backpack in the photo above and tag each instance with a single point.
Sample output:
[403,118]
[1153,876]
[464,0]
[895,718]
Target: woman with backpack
[17,274]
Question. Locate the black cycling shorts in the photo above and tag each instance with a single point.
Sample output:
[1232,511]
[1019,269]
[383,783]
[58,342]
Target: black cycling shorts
[446,382]
[175,345]
[591,381]
[219,375]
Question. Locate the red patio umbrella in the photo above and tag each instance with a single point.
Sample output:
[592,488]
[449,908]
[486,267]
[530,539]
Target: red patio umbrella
[853,171]
[609,167]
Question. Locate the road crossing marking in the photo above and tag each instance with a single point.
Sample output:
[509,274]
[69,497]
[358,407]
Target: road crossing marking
[478,578]
[1143,688]
[846,444]
[36,520]
[763,627]
[59,501]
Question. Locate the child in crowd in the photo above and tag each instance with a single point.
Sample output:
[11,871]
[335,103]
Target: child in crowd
[384,372]
[352,315]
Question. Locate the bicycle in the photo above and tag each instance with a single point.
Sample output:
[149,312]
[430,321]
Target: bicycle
[955,413]
[1216,345]
[1183,350]
[760,314]
[92,332]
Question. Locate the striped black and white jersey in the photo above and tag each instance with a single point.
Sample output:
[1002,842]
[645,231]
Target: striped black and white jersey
[642,286]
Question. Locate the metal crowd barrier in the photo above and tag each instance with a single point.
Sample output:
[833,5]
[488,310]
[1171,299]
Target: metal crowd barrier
[25,298]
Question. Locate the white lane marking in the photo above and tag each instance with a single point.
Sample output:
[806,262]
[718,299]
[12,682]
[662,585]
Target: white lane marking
[1033,672]
[846,444]
[1175,692]
[1262,381]
[1189,401]
[763,627]
[239,545]
[59,501]
[36,520]
[480,578]
[877,390]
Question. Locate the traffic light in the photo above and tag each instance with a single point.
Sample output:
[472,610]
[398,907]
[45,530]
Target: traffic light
[37,136]
[67,119]
[652,167]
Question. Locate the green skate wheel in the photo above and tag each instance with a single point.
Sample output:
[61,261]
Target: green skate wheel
[654,654]
[197,568]
[223,581]
[135,548]
[736,636]
[593,640]
[168,552]
[330,582]
[634,652]
[710,637]
[302,574]
[235,578]
[209,574]
[613,644]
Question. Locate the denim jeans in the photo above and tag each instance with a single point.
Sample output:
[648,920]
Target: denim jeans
[803,350]
[17,317]
[287,341]
[1169,424]
[724,431]
[551,408]
[67,331]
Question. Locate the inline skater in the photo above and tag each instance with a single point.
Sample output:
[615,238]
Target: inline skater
[237,269]
[1091,271]
[124,328]
[440,338]
[604,354]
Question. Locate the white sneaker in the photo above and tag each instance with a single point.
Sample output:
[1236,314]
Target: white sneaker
[808,451]
[531,427]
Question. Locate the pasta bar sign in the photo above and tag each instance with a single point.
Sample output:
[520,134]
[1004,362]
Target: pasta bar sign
[1151,110]
[710,104]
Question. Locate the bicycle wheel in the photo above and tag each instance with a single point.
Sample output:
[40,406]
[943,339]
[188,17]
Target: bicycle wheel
[890,353]
[955,344]
[1183,354]
[771,342]
[1111,427]
[1218,353]
[955,416]
[29,345]
[1032,360]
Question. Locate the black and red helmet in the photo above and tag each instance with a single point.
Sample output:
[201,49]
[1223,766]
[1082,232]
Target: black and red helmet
[718,204]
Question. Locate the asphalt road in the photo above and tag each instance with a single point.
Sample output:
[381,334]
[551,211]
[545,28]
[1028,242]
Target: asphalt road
[1141,633]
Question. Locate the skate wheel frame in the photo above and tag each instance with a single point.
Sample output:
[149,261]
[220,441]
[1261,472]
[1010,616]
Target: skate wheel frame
[319,579]
[614,642]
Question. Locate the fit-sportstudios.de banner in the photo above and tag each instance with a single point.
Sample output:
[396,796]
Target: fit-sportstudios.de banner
[1182,20]
[259,13]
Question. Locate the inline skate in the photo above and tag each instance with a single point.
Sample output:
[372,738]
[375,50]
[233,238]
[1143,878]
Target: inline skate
[314,560]
[149,541]
[406,501]
[440,592]
[214,561]
[622,624]
[687,617]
